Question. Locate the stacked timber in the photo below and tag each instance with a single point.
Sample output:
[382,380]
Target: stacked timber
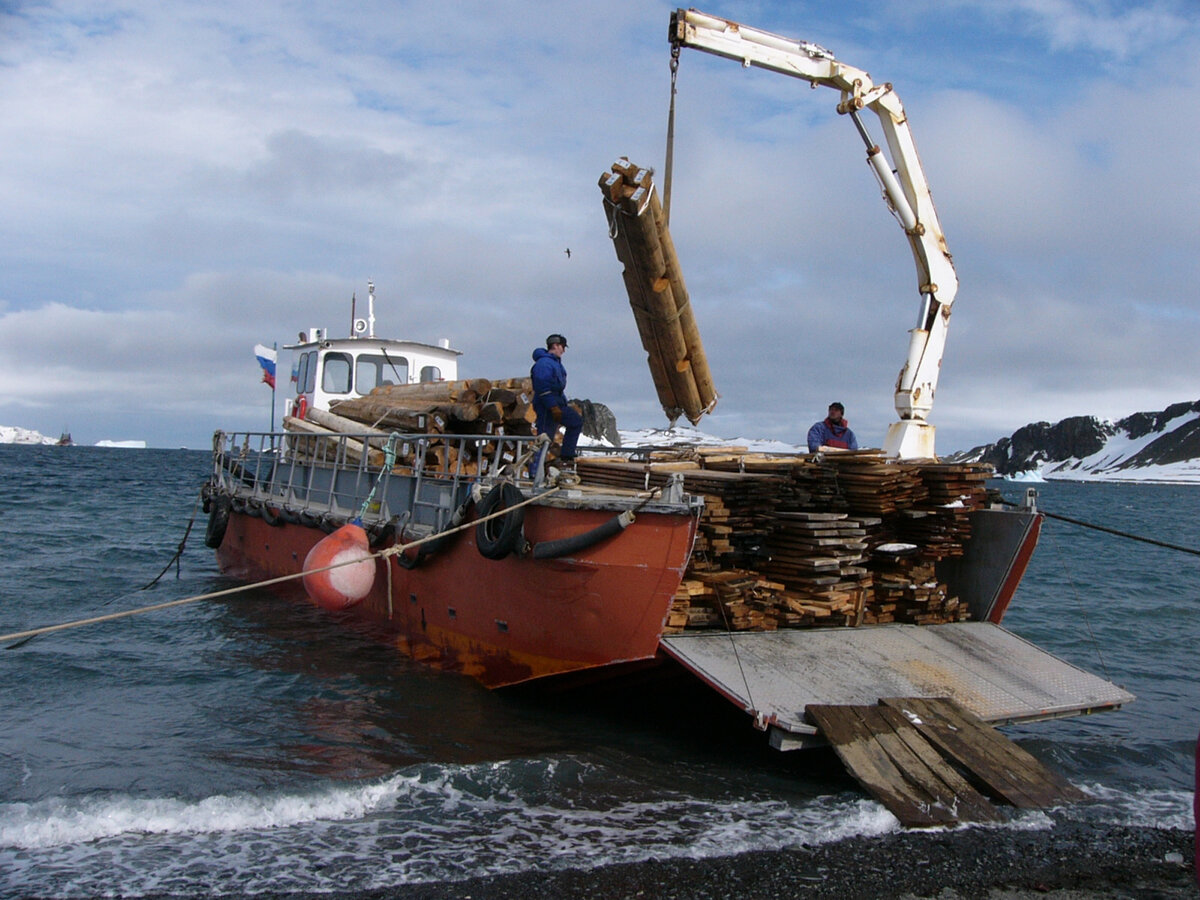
[657,294]
[475,406]
[941,532]
[318,437]
[779,547]
[478,406]
[737,505]
[955,483]
[820,557]
[907,590]
[734,599]
[874,485]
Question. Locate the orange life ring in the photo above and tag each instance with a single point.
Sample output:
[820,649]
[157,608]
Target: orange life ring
[300,407]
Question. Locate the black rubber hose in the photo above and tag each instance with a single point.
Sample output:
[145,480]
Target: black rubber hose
[580,542]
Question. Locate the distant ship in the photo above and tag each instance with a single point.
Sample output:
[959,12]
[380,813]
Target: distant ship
[64,440]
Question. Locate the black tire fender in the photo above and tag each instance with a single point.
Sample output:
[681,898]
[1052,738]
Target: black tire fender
[218,521]
[496,538]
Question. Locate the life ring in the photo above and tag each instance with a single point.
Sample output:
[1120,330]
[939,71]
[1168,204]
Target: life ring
[498,537]
[300,407]
[218,521]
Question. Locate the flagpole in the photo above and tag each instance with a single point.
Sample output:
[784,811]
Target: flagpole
[275,347]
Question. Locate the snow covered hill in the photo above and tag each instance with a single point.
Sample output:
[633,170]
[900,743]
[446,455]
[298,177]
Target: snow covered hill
[1146,446]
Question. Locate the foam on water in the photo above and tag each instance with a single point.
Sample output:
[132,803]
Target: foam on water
[423,824]
[418,825]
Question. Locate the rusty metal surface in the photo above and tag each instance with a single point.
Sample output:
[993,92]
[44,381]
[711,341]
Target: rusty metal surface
[991,672]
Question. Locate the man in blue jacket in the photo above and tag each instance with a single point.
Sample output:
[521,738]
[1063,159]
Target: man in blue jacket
[549,397]
[833,431]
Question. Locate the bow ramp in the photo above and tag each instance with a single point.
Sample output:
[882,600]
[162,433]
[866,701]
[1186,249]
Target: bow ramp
[909,709]
[988,671]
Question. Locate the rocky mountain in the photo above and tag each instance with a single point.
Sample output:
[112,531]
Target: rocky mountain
[1146,446]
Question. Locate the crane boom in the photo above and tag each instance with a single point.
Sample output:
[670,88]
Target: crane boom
[904,189]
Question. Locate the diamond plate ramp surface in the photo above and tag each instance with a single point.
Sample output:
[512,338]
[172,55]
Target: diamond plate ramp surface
[989,671]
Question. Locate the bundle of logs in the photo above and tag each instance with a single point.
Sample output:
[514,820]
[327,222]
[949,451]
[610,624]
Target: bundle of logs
[797,541]
[477,406]
[657,294]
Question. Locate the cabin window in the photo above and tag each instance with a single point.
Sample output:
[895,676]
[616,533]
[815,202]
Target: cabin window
[431,373]
[372,369]
[336,374]
[304,373]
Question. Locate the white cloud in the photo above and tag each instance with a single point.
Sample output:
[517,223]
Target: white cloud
[193,178]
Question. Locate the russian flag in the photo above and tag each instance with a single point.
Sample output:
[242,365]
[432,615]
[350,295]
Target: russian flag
[266,358]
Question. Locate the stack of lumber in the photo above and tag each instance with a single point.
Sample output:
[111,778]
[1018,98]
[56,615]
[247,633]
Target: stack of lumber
[657,294]
[625,473]
[907,590]
[820,557]
[746,600]
[874,485]
[950,483]
[798,474]
[474,406]
[941,533]
[695,605]
[478,406]
[777,547]
[737,505]
[737,599]
[815,486]
[317,437]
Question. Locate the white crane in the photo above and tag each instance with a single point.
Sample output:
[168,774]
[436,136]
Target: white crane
[904,189]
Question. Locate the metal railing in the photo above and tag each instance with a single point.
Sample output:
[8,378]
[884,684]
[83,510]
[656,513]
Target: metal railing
[334,474]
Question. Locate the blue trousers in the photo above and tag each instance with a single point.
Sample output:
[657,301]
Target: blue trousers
[571,421]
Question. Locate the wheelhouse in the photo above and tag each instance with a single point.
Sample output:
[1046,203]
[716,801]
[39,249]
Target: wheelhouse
[325,370]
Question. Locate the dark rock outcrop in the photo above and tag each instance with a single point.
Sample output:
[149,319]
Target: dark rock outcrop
[1080,437]
[598,422]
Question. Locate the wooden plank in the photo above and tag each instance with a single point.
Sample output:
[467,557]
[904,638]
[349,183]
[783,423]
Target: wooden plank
[871,765]
[1002,766]
[955,791]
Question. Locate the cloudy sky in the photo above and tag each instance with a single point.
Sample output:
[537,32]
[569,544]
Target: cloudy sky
[182,180]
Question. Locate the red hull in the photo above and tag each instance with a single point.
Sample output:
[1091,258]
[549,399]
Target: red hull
[513,620]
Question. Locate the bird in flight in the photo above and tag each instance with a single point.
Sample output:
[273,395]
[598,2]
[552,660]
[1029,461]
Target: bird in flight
[568,252]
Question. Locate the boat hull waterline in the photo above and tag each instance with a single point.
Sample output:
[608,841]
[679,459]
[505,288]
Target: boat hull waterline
[511,620]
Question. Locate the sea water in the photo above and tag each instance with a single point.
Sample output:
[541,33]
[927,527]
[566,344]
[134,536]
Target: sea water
[250,743]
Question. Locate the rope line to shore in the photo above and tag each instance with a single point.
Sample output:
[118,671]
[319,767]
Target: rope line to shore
[23,636]
[1125,534]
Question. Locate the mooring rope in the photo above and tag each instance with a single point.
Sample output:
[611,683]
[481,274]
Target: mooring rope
[178,551]
[23,636]
[1125,534]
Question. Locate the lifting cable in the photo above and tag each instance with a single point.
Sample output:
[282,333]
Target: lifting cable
[670,161]
[1125,534]
[21,637]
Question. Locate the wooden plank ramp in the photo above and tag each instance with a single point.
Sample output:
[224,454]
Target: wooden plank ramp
[923,759]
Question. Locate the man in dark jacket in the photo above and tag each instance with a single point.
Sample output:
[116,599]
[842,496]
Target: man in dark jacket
[549,397]
[833,431]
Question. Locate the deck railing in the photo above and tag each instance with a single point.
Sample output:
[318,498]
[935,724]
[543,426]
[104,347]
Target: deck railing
[335,474]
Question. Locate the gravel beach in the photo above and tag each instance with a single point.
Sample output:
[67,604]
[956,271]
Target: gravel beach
[1065,862]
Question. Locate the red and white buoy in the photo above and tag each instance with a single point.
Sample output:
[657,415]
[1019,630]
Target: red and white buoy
[342,587]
